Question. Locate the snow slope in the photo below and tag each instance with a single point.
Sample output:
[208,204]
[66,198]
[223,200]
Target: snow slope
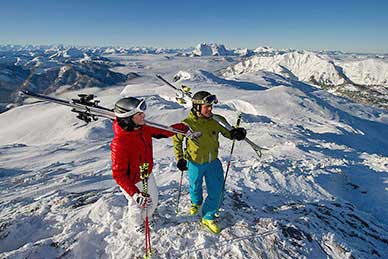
[320,191]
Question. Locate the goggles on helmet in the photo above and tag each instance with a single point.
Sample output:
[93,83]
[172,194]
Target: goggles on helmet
[208,100]
[141,107]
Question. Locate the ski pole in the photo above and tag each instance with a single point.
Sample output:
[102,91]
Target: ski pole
[144,178]
[217,214]
[179,194]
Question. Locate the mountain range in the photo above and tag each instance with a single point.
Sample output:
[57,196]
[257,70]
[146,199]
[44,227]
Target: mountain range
[360,77]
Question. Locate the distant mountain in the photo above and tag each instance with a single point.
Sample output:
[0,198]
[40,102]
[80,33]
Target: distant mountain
[11,76]
[76,76]
[371,71]
[68,53]
[47,69]
[303,66]
[212,49]
[244,52]
[139,51]
[361,78]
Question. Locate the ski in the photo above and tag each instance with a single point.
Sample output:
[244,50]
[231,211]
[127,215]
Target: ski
[229,127]
[87,109]
[85,105]
[181,92]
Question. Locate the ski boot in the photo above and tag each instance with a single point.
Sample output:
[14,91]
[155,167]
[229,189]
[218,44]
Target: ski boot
[211,225]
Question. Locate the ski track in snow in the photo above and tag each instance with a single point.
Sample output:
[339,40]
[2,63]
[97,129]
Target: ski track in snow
[320,191]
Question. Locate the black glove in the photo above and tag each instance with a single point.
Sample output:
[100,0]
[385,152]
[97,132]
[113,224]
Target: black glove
[182,164]
[238,133]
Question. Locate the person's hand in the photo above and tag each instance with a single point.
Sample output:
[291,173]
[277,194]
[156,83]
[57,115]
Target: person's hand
[182,164]
[142,200]
[238,133]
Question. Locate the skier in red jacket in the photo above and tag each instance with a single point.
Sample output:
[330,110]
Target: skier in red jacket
[131,148]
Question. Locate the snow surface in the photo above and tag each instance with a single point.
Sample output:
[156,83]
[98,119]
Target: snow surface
[320,191]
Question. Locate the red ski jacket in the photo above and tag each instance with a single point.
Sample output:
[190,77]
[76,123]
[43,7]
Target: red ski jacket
[131,149]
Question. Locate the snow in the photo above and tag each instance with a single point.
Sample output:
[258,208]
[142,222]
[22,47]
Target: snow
[210,49]
[302,66]
[182,75]
[320,191]
[68,53]
[367,72]
[311,67]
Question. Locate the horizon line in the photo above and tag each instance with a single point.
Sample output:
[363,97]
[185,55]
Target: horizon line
[65,45]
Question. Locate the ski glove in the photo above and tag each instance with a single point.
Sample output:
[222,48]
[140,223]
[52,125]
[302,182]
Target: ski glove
[182,164]
[238,133]
[142,200]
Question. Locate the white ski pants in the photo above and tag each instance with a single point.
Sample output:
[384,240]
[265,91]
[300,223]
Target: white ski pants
[136,215]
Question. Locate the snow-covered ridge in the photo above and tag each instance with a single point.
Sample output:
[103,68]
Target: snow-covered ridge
[303,66]
[366,72]
[68,53]
[315,68]
[362,78]
[214,49]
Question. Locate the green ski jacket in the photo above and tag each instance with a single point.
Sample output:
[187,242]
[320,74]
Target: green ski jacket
[205,148]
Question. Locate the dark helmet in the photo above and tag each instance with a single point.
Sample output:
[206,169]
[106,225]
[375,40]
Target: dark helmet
[203,98]
[124,110]
[129,106]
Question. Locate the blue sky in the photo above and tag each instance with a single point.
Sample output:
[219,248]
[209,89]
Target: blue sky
[331,25]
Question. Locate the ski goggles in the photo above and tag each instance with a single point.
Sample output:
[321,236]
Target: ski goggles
[141,107]
[208,100]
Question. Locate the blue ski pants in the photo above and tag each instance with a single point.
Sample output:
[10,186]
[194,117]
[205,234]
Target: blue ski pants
[214,178]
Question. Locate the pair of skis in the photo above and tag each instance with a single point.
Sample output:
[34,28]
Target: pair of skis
[87,109]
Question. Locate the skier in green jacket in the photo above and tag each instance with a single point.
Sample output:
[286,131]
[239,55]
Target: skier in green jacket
[200,157]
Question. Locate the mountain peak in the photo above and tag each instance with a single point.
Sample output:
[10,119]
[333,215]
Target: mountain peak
[210,49]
